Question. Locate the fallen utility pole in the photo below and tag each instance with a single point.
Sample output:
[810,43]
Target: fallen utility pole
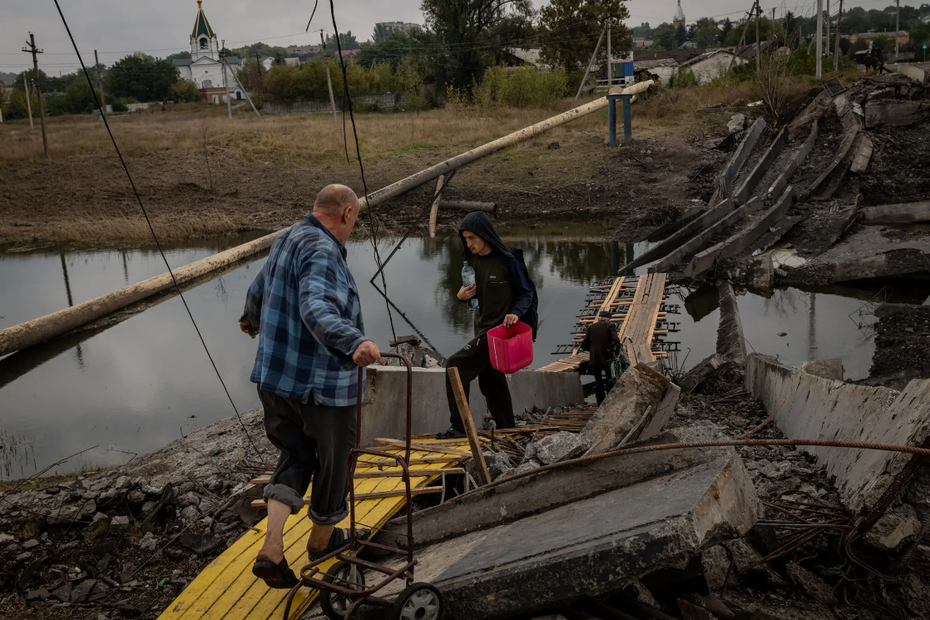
[44,328]
[38,330]
[742,39]
[32,49]
[226,81]
[242,88]
[28,100]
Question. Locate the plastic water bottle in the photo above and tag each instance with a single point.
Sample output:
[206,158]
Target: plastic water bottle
[468,279]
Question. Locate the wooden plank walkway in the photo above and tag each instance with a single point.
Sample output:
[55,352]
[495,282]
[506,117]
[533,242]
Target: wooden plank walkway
[226,588]
[635,304]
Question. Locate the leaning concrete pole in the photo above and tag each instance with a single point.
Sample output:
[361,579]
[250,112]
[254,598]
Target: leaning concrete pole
[434,172]
[819,47]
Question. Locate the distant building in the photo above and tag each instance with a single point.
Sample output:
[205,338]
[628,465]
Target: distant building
[642,43]
[710,66]
[268,63]
[304,50]
[520,57]
[350,53]
[398,27]
[292,62]
[679,19]
[902,36]
[662,68]
[205,67]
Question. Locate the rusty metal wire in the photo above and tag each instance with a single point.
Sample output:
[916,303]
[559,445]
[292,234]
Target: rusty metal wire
[716,443]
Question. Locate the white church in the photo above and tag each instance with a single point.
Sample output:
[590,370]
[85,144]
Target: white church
[205,67]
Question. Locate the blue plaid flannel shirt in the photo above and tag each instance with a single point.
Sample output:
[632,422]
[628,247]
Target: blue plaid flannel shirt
[304,306]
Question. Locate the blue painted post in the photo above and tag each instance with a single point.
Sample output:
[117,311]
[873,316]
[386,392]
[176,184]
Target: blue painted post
[627,119]
[612,120]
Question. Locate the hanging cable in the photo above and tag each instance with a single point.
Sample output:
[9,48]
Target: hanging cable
[373,235]
[315,4]
[148,221]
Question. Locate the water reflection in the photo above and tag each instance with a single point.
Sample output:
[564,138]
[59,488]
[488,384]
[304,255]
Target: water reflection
[140,383]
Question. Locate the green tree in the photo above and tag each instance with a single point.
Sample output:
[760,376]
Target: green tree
[643,30]
[16,106]
[792,28]
[346,39]
[141,77]
[467,36]
[569,30]
[725,30]
[381,34]
[392,50]
[855,20]
[79,98]
[31,74]
[664,36]
[178,56]
[185,91]
[681,35]
[706,33]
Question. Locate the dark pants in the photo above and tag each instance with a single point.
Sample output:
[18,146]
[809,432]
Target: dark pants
[315,442]
[602,381]
[474,361]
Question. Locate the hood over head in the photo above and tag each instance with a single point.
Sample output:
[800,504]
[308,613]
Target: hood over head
[479,223]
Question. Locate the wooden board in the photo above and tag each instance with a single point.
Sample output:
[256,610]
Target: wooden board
[226,588]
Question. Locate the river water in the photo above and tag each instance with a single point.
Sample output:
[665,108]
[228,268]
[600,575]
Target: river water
[137,385]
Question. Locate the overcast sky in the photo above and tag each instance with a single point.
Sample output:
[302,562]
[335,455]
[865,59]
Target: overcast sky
[160,27]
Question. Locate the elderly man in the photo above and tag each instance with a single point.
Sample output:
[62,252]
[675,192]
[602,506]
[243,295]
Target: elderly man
[305,309]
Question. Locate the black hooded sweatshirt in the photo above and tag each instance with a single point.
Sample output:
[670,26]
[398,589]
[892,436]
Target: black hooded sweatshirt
[503,285]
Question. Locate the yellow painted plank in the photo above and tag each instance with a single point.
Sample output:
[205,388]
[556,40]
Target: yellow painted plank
[226,588]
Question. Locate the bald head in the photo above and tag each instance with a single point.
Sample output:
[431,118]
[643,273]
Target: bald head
[333,199]
[336,207]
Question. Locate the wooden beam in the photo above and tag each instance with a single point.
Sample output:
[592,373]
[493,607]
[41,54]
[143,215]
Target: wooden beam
[388,473]
[418,447]
[434,209]
[462,403]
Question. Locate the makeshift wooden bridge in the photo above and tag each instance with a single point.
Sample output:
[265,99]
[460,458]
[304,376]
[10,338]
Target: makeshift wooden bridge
[638,305]
[226,588]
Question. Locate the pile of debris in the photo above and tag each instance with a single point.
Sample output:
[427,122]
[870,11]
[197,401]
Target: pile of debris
[124,542]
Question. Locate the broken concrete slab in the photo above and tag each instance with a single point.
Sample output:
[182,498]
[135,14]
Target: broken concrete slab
[560,447]
[700,373]
[895,113]
[919,72]
[590,547]
[741,195]
[663,249]
[863,156]
[806,406]
[849,139]
[784,179]
[828,369]
[743,239]
[731,343]
[638,389]
[509,500]
[907,213]
[701,241]
[730,171]
[384,407]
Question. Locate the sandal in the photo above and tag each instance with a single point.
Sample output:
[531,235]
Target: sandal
[338,539]
[277,576]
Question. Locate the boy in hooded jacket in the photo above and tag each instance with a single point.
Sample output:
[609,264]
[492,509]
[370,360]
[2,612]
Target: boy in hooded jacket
[505,296]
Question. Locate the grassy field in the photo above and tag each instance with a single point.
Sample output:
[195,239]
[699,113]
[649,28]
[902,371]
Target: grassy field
[199,173]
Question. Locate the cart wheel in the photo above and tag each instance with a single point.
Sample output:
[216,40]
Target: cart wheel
[420,601]
[335,605]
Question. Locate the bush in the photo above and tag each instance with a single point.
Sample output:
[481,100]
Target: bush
[120,105]
[683,78]
[185,91]
[521,87]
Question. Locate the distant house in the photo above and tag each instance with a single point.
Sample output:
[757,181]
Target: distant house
[398,27]
[662,68]
[642,43]
[294,61]
[516,57]
[710,66]
[304,50]
[902,36]
[350,53]
[267,63]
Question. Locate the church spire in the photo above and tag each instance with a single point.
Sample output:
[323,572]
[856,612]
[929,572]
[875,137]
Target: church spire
[201,25]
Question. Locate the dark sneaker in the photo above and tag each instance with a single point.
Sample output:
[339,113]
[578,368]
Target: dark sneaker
[452,433]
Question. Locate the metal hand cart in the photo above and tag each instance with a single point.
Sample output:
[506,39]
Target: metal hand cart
[342,587]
